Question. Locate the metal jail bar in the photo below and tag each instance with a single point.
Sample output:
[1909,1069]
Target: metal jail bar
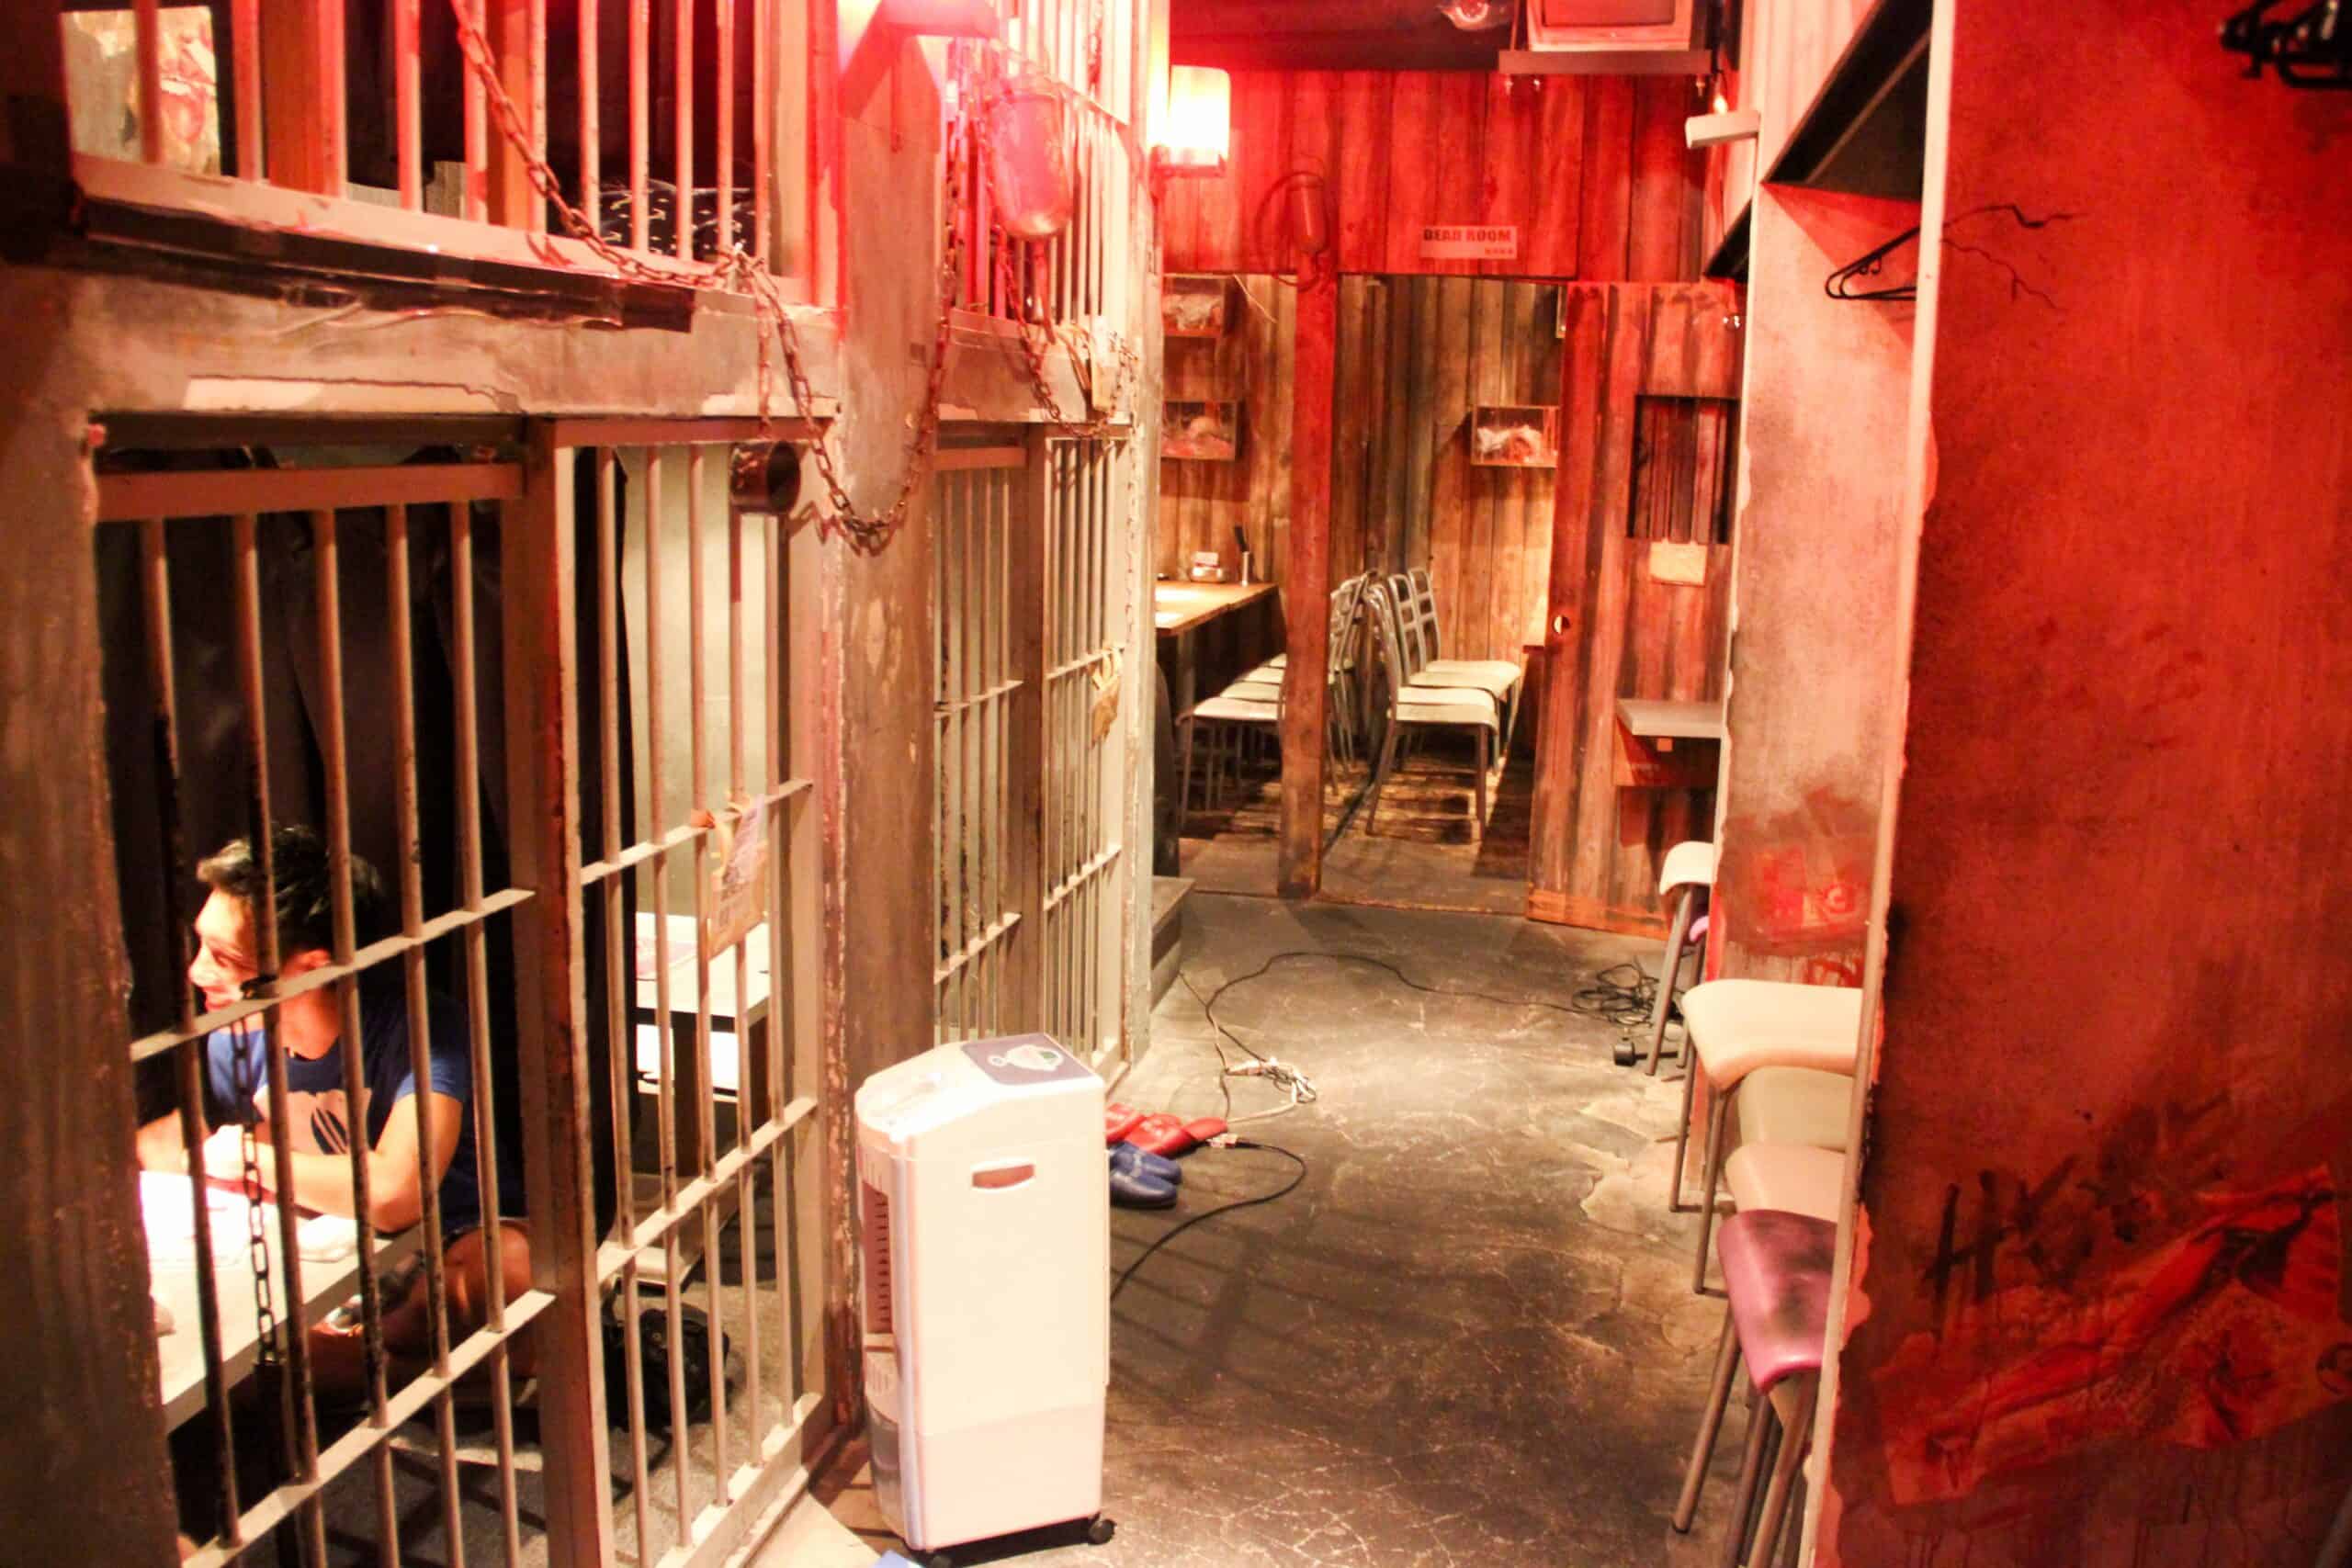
[979,516]
[749,1449]
[1072,278]
[732,1463]
[309,1466]
[1029,596]
[1086,554]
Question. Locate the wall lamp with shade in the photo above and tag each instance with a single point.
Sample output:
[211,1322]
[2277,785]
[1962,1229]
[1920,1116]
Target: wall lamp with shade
[1196,133]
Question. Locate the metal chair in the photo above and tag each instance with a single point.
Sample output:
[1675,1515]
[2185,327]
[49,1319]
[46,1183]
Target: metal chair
[1255,701]
[1414,706]
[1777,1273]
[1500,678]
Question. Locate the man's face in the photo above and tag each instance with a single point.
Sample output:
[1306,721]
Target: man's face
[226,950]
[228,953]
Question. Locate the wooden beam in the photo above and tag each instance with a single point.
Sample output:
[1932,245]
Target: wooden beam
[1300,870]
[302,95]
[83,1461]
[543,777]
[34,133]
[518,34]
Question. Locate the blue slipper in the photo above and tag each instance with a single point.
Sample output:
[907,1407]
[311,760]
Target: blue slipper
[1132,1189]
[1125,1157]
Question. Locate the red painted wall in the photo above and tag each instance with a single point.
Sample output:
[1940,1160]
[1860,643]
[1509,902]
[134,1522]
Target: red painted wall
[2100,1307]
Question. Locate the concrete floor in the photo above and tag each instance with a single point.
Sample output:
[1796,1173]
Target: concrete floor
[1468,1336]
[1466,1339]
[1421,853]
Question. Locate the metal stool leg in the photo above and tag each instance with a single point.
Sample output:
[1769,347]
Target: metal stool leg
[1717,1121]
[1760,1424]
[1718,1395]
[1682,1127]
[1784,1468]
[1676,935]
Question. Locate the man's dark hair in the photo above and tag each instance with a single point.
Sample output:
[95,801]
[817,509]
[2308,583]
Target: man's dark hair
[305,889]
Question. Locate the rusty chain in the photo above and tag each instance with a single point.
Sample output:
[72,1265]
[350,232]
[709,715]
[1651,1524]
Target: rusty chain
[867,531]
[244,1087]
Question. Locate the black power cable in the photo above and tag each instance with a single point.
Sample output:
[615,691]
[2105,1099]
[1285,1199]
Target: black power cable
[1622,993]
[1283,1191]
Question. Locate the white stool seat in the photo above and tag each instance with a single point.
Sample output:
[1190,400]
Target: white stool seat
[1494,685]
[1688,863]
[1738,1026]
[1238,710]
[1800,1107]
[1419,704]
[1811,1182]
[1501,669]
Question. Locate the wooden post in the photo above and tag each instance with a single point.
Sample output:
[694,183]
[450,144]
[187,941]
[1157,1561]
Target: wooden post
[1305,601]
[83,1460]
[876,685]
[33,127]
[518,30]
[542,708]
[302,94]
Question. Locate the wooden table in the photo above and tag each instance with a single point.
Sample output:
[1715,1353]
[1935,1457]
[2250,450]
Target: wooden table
[172,1268]
[731,1019]
[1647,731]
[1180,609]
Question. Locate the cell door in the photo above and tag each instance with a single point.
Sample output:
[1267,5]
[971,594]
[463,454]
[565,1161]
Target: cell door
[1030,610]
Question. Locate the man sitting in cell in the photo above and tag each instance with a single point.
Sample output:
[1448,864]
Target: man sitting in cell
[311,1157]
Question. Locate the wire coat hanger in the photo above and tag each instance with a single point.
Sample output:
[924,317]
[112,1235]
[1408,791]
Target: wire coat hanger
[1870,265]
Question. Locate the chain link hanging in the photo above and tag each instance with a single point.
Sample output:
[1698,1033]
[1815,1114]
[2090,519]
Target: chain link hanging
[246,1086]
[867,531]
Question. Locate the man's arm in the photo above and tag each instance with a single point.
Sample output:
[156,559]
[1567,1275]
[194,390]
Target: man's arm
[160,1144]
[323,1181]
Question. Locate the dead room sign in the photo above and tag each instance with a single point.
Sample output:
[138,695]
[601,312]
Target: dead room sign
[1469,242]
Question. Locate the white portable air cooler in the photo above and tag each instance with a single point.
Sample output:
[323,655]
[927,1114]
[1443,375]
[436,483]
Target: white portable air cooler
[987,1218]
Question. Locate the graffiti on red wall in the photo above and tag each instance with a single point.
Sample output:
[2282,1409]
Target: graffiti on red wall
[2229,1329]
[1803,891]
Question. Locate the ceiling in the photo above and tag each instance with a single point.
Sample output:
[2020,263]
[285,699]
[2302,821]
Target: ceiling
[1326,35]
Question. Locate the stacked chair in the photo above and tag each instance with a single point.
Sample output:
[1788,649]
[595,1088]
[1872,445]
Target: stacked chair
[1412,705]
[1417,611]
[1254,702]
[1781,1057]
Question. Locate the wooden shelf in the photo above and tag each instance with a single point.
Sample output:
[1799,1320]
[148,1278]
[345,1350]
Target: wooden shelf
[1514,435]
[1200,430]
[1196,306]
[1865,132]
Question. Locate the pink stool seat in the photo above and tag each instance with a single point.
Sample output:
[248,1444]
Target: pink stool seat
[1776,1270]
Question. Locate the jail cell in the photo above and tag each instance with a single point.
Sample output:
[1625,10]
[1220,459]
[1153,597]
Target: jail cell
[530,706]
[1075,278]
[981,522]
[490,128]
[704,876]
[1087,598]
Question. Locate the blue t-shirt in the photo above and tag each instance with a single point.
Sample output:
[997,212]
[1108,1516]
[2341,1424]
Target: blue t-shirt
[322,1116]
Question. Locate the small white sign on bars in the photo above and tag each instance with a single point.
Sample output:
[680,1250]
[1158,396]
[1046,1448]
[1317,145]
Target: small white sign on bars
[1469,242]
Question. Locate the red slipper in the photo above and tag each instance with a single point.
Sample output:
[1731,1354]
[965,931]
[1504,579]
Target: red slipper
[1118,1120]
[1163,1135]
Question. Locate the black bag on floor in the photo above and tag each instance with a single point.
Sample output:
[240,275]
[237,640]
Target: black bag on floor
[653,1350]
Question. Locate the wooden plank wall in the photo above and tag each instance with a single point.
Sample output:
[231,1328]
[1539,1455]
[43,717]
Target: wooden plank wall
[1594,847]
[1592,170]
[1201,504]
[1416,355]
